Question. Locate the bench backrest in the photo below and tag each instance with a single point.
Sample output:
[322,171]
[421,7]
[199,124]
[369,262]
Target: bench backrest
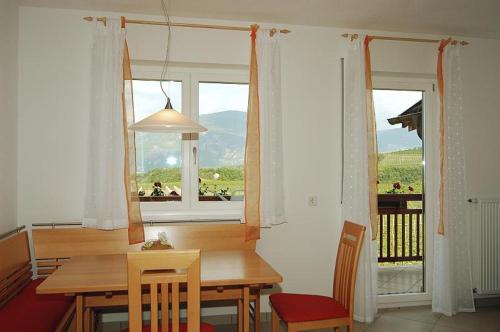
[52,246]
[15,266]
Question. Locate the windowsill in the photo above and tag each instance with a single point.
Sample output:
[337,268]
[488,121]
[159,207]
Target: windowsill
[225,216]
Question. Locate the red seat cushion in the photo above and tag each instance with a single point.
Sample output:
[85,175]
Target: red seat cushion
[28,311]
[204,327]
[303,308]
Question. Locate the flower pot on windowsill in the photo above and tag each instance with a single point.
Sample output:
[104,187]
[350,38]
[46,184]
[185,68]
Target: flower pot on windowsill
[203,198]
[166,198]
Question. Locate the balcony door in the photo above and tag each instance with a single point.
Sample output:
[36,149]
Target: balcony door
[404,242]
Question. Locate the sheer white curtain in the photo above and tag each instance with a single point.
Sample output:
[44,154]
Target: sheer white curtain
[272,196]
[105,196]
[452,291]
[355,201]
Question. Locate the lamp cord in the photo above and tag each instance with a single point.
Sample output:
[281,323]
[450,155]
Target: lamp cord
[165,7]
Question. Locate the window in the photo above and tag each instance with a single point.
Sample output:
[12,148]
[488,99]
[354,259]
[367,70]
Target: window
[199,175]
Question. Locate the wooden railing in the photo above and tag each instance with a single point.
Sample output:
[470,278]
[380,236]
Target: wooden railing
[400,228]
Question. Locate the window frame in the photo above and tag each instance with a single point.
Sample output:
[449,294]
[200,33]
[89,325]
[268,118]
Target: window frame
[190,208]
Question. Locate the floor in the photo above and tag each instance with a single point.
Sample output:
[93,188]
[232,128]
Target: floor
[415,319]
[400,279]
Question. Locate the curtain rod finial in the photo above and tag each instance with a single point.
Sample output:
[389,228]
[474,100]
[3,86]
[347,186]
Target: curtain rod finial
[88,18]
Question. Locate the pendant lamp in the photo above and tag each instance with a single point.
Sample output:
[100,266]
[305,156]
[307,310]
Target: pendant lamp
[167,120]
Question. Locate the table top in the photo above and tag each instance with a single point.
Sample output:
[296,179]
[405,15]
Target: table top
[104,273]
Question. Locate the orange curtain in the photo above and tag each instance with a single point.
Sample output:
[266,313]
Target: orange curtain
[135,226]
[252,150]
[372,140]
[442,147]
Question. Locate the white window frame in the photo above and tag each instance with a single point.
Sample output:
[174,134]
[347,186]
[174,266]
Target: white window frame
[190,208]
[425,83]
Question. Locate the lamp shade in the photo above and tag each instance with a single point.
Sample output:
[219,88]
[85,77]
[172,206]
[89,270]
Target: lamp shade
[167,120]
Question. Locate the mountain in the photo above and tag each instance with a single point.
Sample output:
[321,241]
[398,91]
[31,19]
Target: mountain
[222,144]
[397,139]
[233,122]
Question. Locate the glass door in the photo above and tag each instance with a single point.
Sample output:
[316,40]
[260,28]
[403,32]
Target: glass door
[401,229]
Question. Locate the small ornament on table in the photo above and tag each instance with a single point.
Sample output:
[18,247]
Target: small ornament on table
[162,243]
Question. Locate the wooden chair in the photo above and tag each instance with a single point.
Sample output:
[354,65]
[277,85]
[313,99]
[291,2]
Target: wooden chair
[307,312]
[166,269]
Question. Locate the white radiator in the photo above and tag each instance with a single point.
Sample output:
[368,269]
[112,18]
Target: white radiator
[486,245]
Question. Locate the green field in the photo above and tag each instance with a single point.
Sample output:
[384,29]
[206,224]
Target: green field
[229,181]
[404,167]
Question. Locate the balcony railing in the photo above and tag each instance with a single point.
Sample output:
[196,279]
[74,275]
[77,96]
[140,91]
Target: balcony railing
[400,228]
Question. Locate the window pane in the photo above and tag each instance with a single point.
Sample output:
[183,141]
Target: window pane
[158,155]
[399,140]
[223,111]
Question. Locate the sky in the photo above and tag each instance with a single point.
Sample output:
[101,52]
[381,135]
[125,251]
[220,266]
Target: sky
[217,97]
[148,97]
[213,97]
[391,103]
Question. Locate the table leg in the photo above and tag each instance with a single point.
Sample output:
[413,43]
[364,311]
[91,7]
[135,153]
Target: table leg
[92,320]
[256,312]
[79,313]
[246,309]
[240,315]
[86,320]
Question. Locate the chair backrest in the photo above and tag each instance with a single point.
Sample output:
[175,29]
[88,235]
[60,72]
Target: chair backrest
[15,266]
[166,269]
[347,264]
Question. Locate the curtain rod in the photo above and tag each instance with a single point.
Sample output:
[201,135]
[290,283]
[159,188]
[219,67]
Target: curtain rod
[404,39]
[188,25]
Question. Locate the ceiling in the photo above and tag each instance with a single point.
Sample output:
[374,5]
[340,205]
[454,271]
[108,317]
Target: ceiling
[474,18]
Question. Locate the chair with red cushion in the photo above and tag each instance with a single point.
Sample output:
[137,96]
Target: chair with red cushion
[307,312]
[165,270]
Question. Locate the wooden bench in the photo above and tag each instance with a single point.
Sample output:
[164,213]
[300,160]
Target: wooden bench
[21,309]
[54,244]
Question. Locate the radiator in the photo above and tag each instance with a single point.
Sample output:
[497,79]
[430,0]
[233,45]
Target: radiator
[486,245]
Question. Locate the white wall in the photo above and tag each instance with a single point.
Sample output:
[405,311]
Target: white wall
[8,116]
[54,99]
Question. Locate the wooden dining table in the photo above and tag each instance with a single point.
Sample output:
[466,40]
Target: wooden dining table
[100,281]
